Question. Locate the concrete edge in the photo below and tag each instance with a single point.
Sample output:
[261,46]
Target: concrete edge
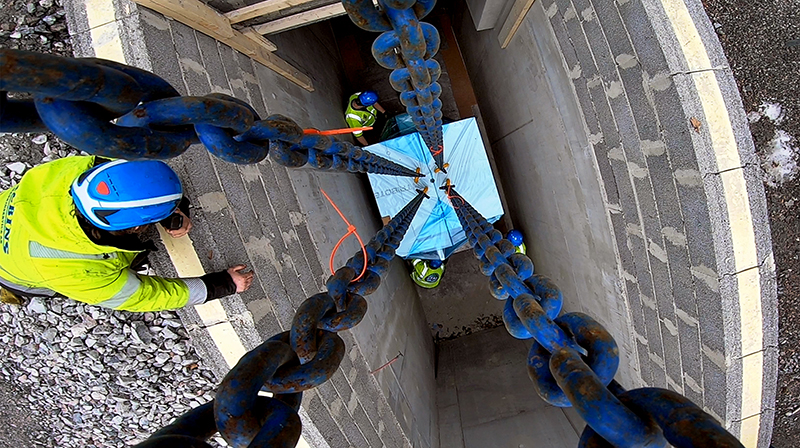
[741,227]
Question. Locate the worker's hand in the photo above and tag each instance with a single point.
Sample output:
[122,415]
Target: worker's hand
[185,228]
[243,280]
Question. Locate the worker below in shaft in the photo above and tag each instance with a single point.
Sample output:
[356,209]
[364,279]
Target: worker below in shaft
[71,227]
[427,273]
[515,237]
[362,110]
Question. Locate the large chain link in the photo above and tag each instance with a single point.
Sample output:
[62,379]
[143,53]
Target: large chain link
[573,359]
[406,47]
[290,362]
[115,110]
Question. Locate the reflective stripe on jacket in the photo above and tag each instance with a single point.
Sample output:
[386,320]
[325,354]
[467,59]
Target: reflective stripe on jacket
[43,246]
[358,118]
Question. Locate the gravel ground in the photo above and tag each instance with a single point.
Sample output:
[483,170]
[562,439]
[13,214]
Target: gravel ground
[74,375]
[95,377]
[762,43]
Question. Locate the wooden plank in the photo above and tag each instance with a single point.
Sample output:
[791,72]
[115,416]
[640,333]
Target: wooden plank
[513,21]
[253,34]
[193,13]
[207,20]
[301,19]
[262,8]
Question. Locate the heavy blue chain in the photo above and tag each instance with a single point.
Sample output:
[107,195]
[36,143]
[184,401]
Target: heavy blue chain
[115,110]
[573,359]
[290,362]
[407,47]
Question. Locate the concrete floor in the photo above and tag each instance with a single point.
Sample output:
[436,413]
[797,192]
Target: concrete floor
[485,398]
[461,304]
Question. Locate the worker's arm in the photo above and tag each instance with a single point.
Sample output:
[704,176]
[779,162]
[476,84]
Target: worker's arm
[379,108]
[362,140]
[127,290]
[156,293]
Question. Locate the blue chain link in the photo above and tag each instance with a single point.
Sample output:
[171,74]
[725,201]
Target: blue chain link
[80,99]
[573,359]
[407,47]
[290,362]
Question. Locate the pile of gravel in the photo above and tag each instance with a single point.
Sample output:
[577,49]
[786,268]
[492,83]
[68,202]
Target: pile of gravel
[20,152]
[34,25]
[99,377]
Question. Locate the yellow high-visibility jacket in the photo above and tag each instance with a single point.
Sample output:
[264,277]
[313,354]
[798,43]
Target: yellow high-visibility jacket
[44,248]
[357,118]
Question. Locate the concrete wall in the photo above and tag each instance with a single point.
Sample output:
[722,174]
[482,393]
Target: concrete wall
[548,170]
[276,221]
[484,399]
[628,163]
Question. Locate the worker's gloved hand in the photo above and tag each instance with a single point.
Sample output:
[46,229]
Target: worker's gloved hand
[243,280]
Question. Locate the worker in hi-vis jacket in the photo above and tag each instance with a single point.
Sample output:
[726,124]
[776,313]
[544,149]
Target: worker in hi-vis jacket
[362,110]
[427,273]
[71,227]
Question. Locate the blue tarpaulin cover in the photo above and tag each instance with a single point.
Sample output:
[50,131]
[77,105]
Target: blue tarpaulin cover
[436,232]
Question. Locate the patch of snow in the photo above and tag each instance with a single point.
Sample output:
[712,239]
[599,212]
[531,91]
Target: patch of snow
[753,117]
[781,163]
[773,111]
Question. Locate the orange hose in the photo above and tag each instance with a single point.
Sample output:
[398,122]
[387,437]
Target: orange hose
[336,131]
[351,229]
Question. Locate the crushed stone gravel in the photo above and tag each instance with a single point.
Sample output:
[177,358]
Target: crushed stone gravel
[762,43]
[97,377]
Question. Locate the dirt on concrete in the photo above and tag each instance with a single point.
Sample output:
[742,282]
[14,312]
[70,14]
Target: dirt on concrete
[762,43]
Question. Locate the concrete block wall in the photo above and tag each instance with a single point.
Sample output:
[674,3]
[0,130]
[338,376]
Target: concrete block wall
[277,222]
[642,90]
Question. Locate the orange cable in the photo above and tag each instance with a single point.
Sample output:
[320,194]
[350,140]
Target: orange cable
[451,197]
[436,153]
[336,131]
[351,229]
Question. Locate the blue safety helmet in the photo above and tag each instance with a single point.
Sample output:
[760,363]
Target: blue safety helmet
[368,98]
[121,195]
[435,264]
[515,236]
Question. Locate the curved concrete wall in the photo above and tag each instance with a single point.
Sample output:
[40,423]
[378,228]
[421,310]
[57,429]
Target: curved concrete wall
[628,163]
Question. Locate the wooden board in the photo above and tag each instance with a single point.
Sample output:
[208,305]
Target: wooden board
[207,20]
[301,19]
[513,21]
[262,8]
[253,34]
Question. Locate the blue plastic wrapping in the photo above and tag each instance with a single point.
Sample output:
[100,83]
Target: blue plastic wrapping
[436,232]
